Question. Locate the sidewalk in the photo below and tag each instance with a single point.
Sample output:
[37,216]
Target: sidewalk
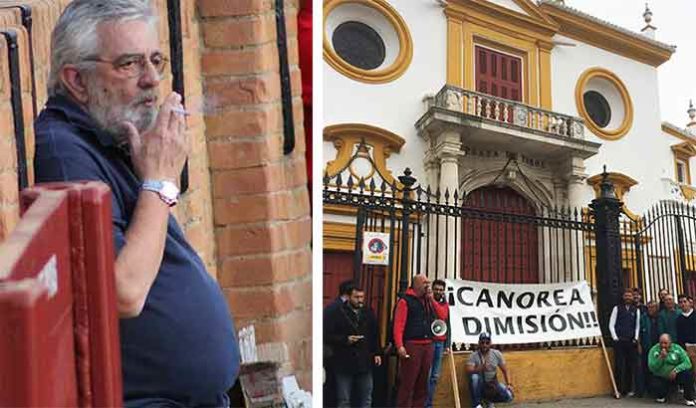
[600,402]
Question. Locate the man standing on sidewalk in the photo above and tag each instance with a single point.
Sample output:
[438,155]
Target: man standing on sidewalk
[441,343]
[686,327]
[624,325]
[413,340]
[649,336]
[351,330]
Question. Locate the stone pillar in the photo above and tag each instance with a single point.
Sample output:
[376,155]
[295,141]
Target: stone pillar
[448,151]
[576,187]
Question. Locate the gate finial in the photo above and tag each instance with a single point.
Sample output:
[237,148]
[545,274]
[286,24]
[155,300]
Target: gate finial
[606,187]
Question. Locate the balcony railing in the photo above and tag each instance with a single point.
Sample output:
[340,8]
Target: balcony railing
[507,112]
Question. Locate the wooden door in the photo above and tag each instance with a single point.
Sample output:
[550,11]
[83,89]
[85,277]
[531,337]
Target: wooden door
[338,267]
[498,74]
[499,248]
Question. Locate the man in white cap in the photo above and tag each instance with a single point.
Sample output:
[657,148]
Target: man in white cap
[482,369]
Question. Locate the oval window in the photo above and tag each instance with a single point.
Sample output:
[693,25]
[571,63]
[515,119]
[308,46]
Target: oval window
[597,108]
[359,45]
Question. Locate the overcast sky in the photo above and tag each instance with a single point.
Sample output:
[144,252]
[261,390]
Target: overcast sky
[676,25]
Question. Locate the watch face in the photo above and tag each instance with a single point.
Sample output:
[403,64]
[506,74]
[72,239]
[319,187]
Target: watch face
[169,190]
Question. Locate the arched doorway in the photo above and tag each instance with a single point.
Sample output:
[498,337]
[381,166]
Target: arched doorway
[496,246]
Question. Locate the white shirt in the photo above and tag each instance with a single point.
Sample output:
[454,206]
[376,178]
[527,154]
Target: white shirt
[612,323]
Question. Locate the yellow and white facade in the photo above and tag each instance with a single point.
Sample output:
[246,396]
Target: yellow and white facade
[423,108]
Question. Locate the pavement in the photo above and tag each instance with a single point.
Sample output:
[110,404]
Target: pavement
[600,402]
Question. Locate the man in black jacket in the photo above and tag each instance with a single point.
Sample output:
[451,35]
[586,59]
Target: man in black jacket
[351,330]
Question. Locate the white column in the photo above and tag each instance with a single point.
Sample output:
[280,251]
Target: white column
[449,235]
[577,199]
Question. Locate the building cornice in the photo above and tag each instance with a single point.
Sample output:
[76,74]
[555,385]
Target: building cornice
[536,24]
[602,34]
[678,132]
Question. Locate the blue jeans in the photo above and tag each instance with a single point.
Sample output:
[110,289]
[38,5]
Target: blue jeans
[359,386]
[477,387]
[438,349]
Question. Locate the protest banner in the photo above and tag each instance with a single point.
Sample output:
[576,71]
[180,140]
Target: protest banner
[521,313]
[375,248]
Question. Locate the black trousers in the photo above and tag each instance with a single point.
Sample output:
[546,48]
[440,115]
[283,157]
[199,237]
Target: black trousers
[625,360]
[685,379]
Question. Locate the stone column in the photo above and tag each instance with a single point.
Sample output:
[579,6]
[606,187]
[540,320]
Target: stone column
[448,151]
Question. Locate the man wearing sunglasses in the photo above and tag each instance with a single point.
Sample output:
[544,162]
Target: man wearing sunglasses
[104,121]
[482,369]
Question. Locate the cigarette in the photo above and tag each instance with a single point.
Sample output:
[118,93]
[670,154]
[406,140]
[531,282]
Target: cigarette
[180,111]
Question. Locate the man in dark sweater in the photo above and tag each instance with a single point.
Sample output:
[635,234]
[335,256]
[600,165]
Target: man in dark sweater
[686,326]
[649,336]
[351,329]
[624,325]
[667,322]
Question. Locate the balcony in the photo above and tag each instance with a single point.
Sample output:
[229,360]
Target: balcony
[488,121]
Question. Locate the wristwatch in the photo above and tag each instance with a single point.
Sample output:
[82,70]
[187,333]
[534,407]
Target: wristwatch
[167,191]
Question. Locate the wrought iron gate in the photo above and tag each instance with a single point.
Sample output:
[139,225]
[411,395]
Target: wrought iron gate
[445,235]
[659,248]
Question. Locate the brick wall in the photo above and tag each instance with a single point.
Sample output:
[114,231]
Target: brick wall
[246,211]
[261,205]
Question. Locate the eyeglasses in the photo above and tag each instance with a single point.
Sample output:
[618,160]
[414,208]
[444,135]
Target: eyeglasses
[131,66]
[485,342]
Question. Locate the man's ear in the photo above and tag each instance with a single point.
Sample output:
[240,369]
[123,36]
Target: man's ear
[75,82]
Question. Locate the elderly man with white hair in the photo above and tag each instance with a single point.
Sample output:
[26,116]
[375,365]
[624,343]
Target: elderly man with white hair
[104,121]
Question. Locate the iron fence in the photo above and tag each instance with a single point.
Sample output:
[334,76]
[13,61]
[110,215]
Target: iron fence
[658,250]
[490,235]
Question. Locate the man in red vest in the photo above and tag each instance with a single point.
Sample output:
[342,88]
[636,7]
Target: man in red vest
[413,338]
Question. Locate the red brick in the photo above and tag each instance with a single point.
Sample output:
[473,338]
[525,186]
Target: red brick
[236,32]
[241,154]
[9,188]
[262,239]
[249,181]
[255,239]
[245,123]
[259,302]
[265,269]
[8,155]
[284,205]
[295,325]
[9,216]
[295,172]
[245,91]
[248,60]
[219,8]
[301,293]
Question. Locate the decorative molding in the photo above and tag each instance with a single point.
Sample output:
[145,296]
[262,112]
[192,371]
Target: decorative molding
[607,75]
[377,76]
[529,37]
[675,131]
[347,136]
[338,236]
[591,30]
[683,152]
[622,185]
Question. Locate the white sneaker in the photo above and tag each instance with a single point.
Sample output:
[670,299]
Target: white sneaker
[690,403]
[478,406]
[631,394]
[490,405]
[661,400]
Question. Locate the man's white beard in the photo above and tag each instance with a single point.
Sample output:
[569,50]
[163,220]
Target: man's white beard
[110,115]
